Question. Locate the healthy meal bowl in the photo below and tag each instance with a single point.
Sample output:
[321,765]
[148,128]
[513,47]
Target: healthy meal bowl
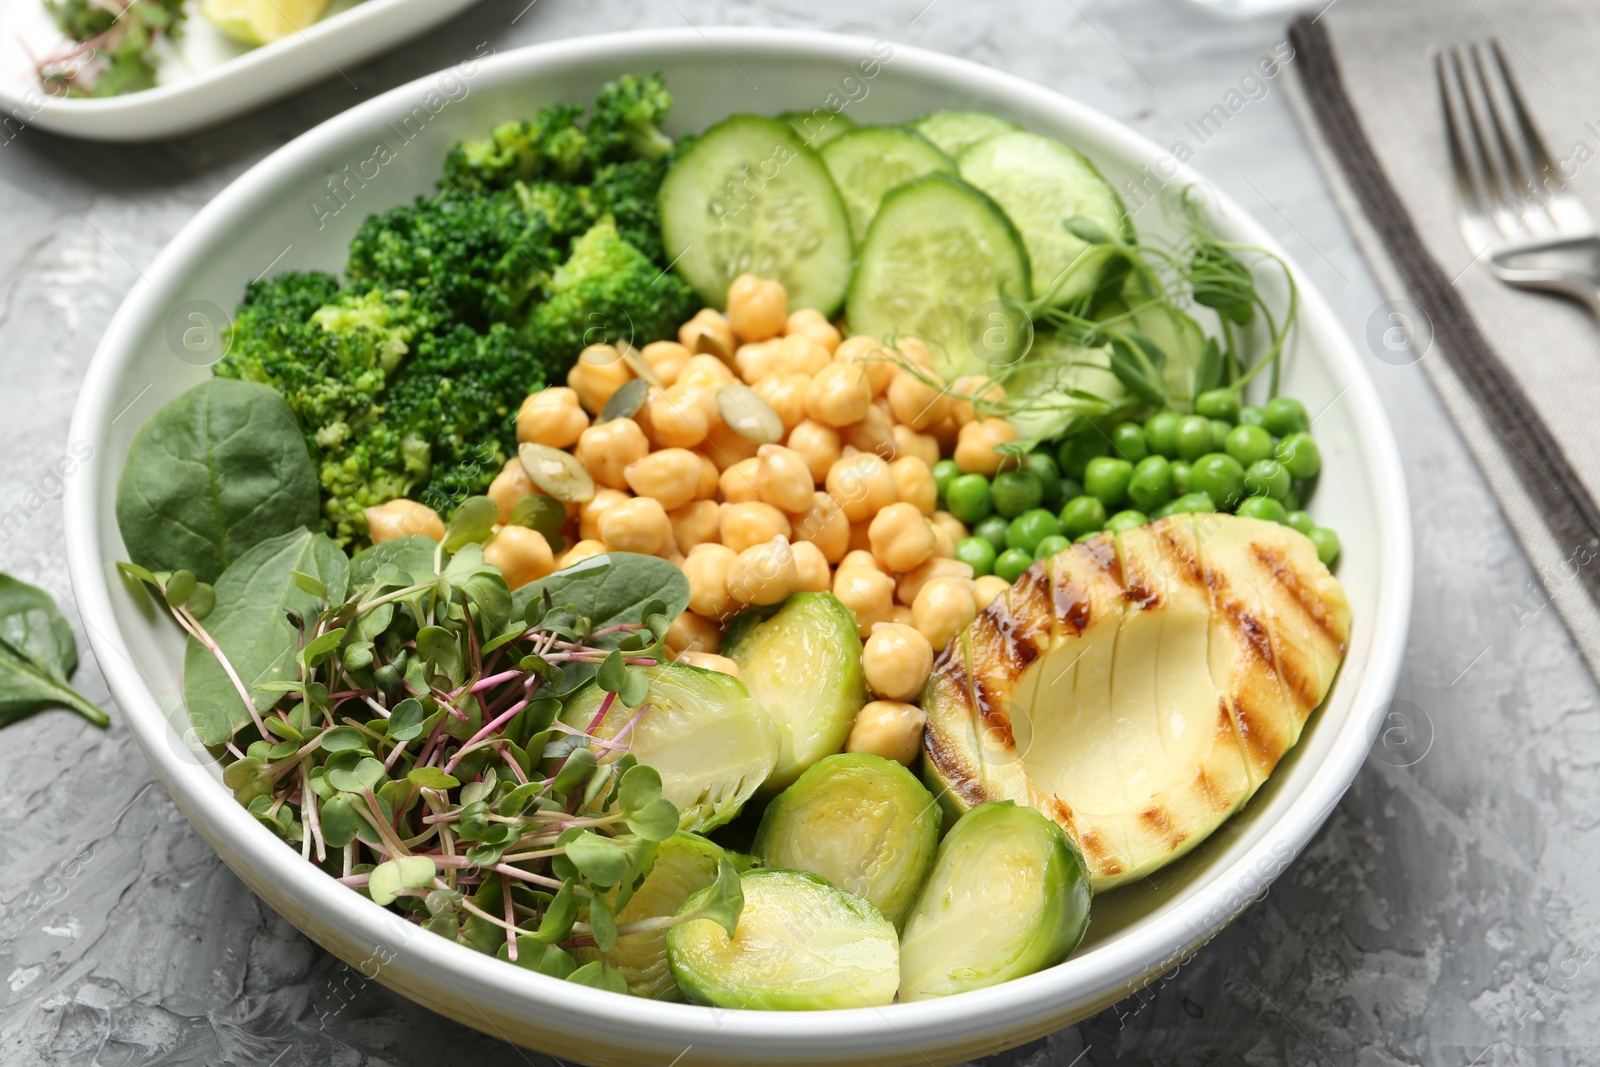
[632,575]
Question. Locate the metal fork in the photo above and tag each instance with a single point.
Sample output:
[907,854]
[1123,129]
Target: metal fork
[1516,207]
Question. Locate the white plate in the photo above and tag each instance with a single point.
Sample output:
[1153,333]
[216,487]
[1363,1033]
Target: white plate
[270,217]
[205,77]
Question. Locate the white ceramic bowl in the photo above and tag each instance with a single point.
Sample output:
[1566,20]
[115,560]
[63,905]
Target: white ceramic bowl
[277,215]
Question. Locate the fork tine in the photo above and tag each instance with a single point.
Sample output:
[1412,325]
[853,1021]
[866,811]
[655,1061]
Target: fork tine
[1520,176]
[1490,171]
[1537,152]
[1466,187]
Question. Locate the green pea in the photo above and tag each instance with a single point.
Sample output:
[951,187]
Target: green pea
[1126,520]
[1161,433]
[1248,444]
[1049,546]
[1011,564]
[993,530]
[1076,452]
[1031,527]
[978,553]
[1300,520]
[1187,503]
[1082,514]
[1151,484]
[1299,453]
[1285,415]
[1107,478]
[1220,429]
[1014,492]
[1294,498]
[1128,441]
[1182,477]
[1070,487]
[1263,507]
[1250,415]
[1043,467]
[969,499]
[1194,437]
[944,472]
[1219,476]
[1218,404]
[1266,477]
[1327,543]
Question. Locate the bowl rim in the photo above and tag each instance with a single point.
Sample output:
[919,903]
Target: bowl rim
[1106,973]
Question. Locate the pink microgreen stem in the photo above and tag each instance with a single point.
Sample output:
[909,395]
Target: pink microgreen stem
[484,734]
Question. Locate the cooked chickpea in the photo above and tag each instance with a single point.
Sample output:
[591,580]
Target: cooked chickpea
[678,418]
[551,417]
[812,573]
[402,518]
[710,661]
[984,392]
[710,479]
[667,359]
[951,525]
[706,372]
[824,525]
[813,324]
[918,400]
[509,487]
[901,616]
[521,554]
[694,524]
[901,537]
[818,445]
[784,479]
[876,359]
[757,307]
[913,483]
[692,633]
[862,485]
[758,360]
[606,448]
[590,511]
[890,729]
[943,608]
[975,448]
[897,661]
[912,581]
[738,483]
[944,547]
[708,332]
[874,433]
[868,593]
[670,476]
[908,442]
[787,394]
[753,523]
[706,568]
[581,551]
[985,589]
[914,350]
[839,395]
[799,354]
[598,372]
[860,557]
[639,525]
[764,574]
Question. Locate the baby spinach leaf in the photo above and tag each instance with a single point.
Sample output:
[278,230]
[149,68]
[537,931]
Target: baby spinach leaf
[414,555]
[37,655]
[217,471]
[250,627]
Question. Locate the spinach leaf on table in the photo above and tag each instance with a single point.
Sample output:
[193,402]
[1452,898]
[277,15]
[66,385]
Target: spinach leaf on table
[37,655]
[218,470]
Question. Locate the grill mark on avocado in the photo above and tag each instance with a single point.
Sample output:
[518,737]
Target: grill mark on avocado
[1311,605]
[968,788]
[1259,733]
[1159,820]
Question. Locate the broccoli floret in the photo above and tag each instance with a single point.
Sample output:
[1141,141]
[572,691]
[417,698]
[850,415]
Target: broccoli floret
[627,192]
[549,146]
[626,121]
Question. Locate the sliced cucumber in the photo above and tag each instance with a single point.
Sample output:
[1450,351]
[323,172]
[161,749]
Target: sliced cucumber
[1063,384]
[816,128]
[1041,183]
[750,197]
[866,164]
[953,131]
[938,263]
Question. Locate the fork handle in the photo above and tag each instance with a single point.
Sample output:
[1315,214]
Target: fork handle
[1570,267]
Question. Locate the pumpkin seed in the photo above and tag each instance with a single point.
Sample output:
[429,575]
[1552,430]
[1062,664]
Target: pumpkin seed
[556,473]
[748,415]
[542,513]
[638,364]
[626,401]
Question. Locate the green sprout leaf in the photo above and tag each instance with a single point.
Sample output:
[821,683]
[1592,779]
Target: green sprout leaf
[600,975]
[602,924]
[726,900]
[575,771]
[403,872]
[405,719]
[365,775]
[599,860]
[431,778]
[559,916]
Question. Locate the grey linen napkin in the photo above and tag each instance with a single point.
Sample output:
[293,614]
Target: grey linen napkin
[1519,372]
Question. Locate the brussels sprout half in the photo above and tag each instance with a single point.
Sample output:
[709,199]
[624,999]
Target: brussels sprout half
[862,822]
[1009,895]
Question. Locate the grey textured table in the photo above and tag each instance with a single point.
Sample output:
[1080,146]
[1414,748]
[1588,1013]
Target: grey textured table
[1445,915]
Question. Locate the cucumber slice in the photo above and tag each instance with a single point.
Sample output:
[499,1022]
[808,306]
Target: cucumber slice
[801,944]
[750,197]
[802,661]
[937,263]
[1041,183]
[1063,384]
[866,164]
[953,131]
[817,128]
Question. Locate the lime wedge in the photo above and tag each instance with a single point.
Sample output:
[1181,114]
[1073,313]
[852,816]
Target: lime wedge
[256,22]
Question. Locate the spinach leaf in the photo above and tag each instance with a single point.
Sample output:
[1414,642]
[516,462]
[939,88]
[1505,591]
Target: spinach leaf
[218,470]
[250,626]
[37,655]
[414,555]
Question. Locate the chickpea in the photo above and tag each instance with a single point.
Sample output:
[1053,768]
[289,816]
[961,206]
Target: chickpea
[639,525]
[943,608]
[799,354]
[670,476]
[912,581]
[890,729]
[871,355]
[590,511]
[874,433]
[787,394]
[954,527]
[862,485]
[706,568]
[913,483]
[862,558]
[897,661]
[900,537]
[900,615]
[694,524]
[402,518]
[710,661]
[783,478]
[692,633]
[606,448]
[839,395]
[738,483]
[521,554]
[975,449]
[908,442]
[746,525]
[598,372]
[812,573]
[726,447]
[667,359]
[757,307]
[813,324]
[708,332]
[943,546]
[825,526]
[764,574]
[918,400]
[551,417]
[678,418]
[756,361]
[985,589]
[914,350]
[707,372]
[984,392]
[868,593]
[509,487]
[581,551]
[818,445]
